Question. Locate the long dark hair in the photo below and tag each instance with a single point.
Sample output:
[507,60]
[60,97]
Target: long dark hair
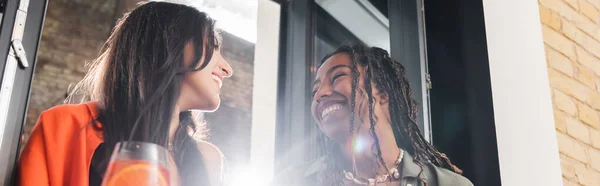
[138,76]
[389,77]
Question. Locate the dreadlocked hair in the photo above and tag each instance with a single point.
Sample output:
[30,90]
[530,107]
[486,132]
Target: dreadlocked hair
[389,77]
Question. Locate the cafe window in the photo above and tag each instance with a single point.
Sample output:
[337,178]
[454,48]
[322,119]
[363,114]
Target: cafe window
[404,28]
[313,29]
[264,123]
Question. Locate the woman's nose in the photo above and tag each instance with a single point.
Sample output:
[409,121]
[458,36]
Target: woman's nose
[322,92]
[226,68]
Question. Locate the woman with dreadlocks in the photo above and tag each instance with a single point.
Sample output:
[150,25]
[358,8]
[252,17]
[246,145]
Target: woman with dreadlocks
[362,104]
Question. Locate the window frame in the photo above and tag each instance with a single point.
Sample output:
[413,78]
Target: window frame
[295,129]
[17,107]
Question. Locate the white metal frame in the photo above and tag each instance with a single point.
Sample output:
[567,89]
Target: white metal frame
[527,147]
[264,95]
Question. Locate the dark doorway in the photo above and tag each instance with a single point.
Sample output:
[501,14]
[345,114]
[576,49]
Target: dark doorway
[461,100]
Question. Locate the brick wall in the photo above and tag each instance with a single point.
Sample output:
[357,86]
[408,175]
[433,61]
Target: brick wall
[74,31]
[571,32]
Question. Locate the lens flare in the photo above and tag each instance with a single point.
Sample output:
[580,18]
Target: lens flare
[251,176]
[358,144]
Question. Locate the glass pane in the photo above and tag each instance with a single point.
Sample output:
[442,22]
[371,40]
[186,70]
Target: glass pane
[340,22]
[74,32]
[347,22]
[2,7]
[230,126]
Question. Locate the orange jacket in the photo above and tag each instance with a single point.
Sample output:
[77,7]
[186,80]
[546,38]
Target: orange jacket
[60,148]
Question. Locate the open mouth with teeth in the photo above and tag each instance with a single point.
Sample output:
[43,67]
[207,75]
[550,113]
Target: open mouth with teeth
[217,80]
[332,112]
[329,110]
[332,115]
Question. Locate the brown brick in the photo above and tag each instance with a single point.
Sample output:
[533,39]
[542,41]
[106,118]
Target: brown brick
[572,32]
[588,60]
[559,120]
[569,183]
[596,3]
[564,103]
[591,45]
[588,115]
[568,12]
[559,42]
[587,177]
[586,76]
[594,99]
[559,62]
[595,135]
[573,3]
[554,5]
[568,167]
[571,147]
[585,24]
[589,10]
[567,85]
[595,159]
[550,17]
[578,130]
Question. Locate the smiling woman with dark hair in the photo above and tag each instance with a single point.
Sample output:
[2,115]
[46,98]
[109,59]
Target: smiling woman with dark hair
[161,62]
[362,104]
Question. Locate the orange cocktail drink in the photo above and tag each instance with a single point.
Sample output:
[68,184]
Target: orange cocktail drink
[139,164]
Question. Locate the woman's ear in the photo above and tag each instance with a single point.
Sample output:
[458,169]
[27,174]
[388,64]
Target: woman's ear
[188,53]
[383,98]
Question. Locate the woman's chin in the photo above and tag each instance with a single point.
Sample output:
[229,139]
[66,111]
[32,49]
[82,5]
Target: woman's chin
[341,136]
[211,106]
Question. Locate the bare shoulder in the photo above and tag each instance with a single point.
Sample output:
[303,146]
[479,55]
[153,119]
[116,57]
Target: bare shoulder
[214,161]
[209,151]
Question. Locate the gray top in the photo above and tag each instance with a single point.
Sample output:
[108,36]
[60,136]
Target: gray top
[306,174]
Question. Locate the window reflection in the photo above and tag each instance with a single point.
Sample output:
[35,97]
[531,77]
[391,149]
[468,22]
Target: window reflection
[73,34]
[347,22]
[230,126]
[361,18]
